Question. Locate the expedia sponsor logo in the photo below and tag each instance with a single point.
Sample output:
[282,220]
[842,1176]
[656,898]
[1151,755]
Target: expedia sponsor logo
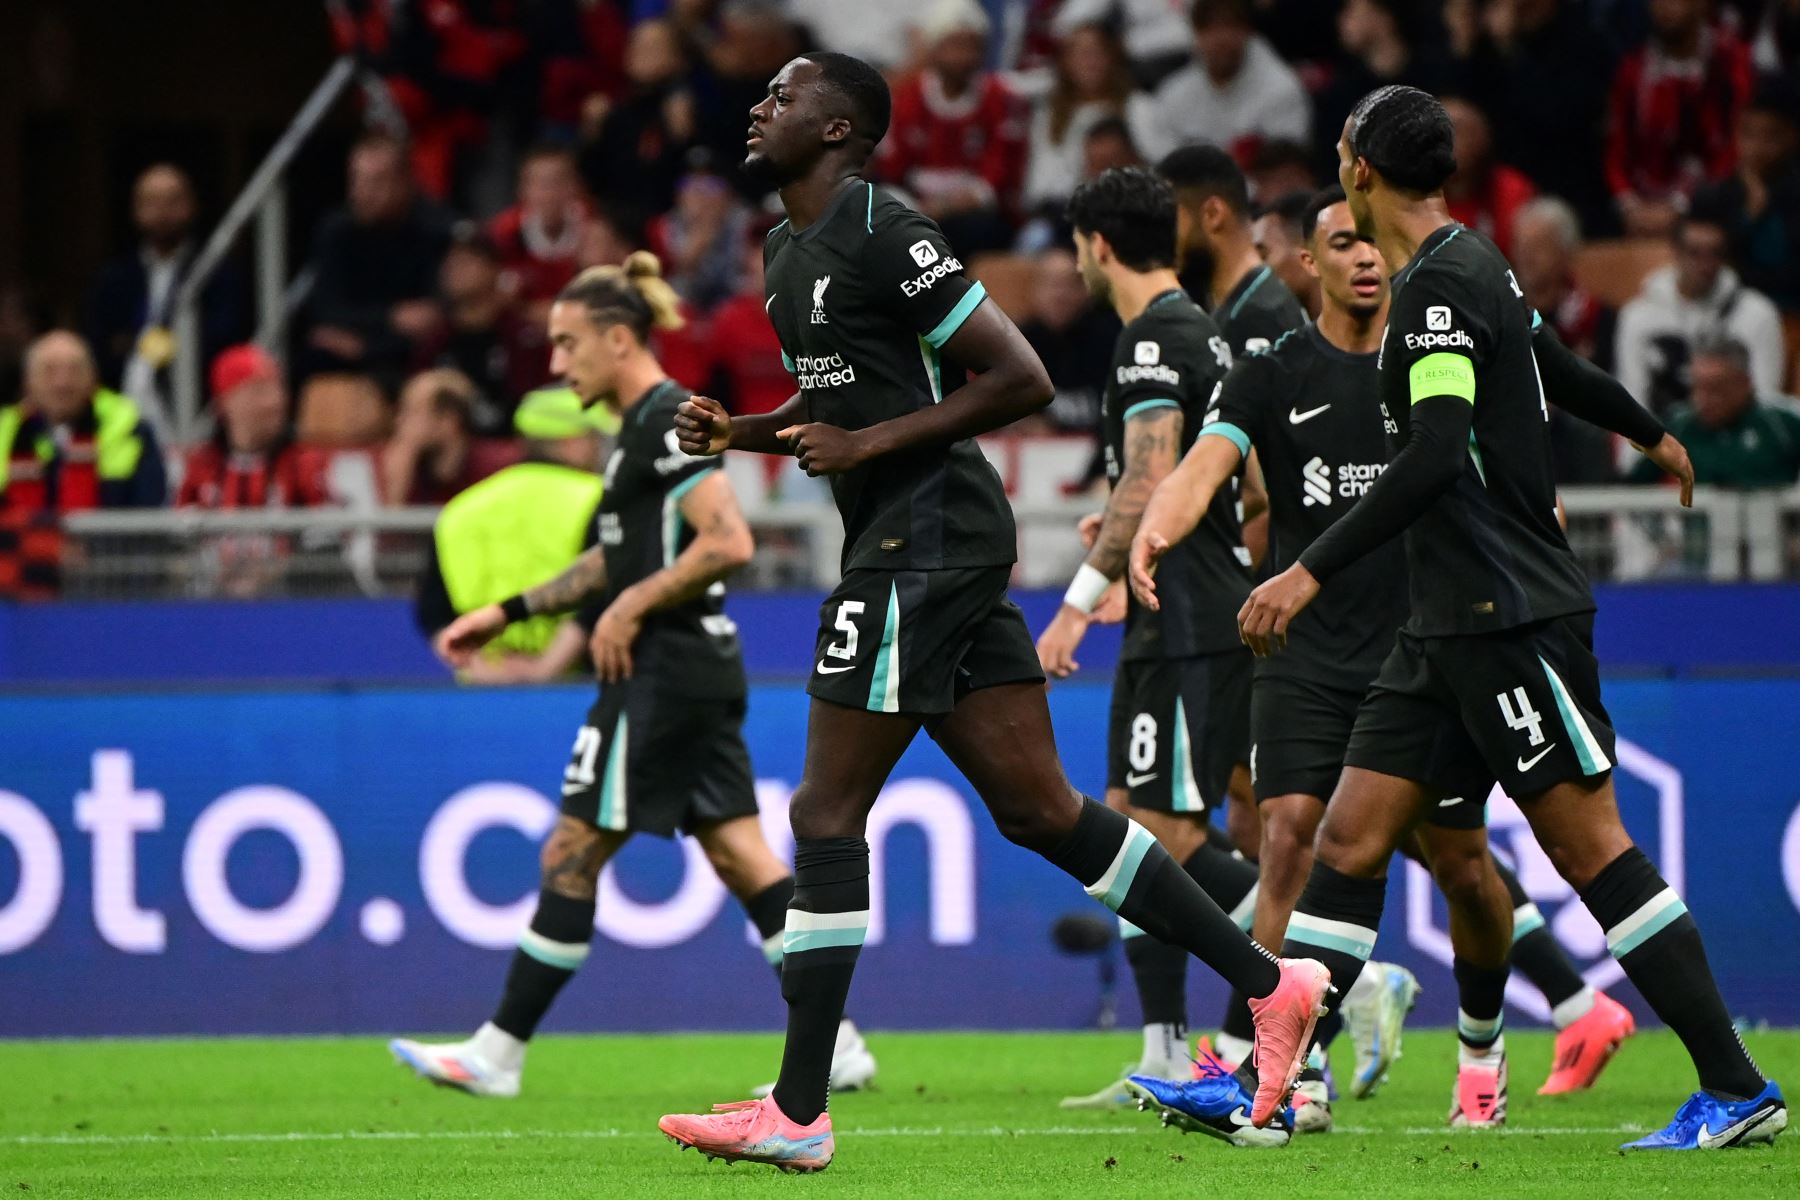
[1456,339]
[611,532]
[1160,372]
[1321,482]
[815,371]
[676,459]
[1388,423]
[929,277]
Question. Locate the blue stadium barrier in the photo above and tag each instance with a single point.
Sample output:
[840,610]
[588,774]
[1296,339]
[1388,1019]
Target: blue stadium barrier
[361,859]
[1643,629]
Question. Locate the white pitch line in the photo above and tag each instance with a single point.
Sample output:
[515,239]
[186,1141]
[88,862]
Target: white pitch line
[897,1131]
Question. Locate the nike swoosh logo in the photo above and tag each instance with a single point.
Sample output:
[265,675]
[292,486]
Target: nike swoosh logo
[1709,1140]
[1296,417]
[1525,764]
[825,670]
[769,301]
[1447,801]
[1132,781]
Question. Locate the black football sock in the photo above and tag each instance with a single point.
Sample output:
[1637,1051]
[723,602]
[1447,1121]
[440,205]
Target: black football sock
[1335,923]
[1121,865]
[1160,972]
[1536,953]
[1231,882]
[1651,933]
[768,912]
[826,924]
[550,951]
[1480,1004]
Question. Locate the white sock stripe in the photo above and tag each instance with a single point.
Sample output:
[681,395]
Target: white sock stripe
[1574,1008]
[1245,913]
[1647,912]
[1133,835]
[801,921]
[532,940]
[1334,935]
[1478,1029]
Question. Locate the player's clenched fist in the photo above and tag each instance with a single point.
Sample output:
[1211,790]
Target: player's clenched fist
[702,426]
[824,449]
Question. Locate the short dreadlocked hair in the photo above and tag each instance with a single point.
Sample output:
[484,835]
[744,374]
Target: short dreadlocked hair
[1406,135]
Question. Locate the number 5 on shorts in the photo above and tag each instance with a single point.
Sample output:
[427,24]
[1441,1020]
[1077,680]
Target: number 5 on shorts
[844,625]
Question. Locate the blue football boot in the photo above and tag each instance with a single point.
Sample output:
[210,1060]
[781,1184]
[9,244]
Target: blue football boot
[1214,1102]
[1705,1122]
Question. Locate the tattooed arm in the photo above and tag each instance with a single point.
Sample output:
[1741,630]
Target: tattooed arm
[1152,440]
[721,545]
[458,641]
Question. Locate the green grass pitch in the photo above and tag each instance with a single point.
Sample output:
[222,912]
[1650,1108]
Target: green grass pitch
[954,1115]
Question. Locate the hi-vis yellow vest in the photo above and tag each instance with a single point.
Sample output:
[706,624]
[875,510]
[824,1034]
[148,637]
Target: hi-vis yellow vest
[512,531]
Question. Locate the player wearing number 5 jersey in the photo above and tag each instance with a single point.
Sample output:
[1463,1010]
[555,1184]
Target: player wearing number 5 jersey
[1494,669]
[880,325]
[662,750]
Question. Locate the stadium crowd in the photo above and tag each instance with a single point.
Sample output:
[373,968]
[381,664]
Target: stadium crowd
[1638,160]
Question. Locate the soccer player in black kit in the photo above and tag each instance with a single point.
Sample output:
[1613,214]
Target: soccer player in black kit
[871,305]
[1309,405]
[1179,719]
[662,748]
[1494,672]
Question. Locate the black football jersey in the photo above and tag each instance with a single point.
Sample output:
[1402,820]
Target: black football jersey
[691,649]
[1172,356]
[1313,414]
[863,301]
[1257,311]
[1488,554]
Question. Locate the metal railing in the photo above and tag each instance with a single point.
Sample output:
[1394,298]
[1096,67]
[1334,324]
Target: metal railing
[264,200]
[1621,534]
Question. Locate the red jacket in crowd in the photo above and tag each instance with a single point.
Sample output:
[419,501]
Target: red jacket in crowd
[935,144]
[289,476]
[540,267]
[1671,120]
[1490,209]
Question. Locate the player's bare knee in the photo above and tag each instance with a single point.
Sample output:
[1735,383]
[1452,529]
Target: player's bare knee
[1462,877]
[1341,846]
[814,814]
[1038,821]
[1286,834]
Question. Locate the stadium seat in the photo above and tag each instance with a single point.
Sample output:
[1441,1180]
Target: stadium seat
[1613,271]
[342,410]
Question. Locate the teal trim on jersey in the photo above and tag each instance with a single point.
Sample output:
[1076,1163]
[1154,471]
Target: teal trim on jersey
[869,215]
[884,688]
[1527,920]
[787,362]
[672,520]
[946,328]
[1261,278]
[1128,930]
[1230,433]
[934,370]
[1537,320]
[1163,298]
[1446,241]
[1587,747]
[1656,916]
[1147,405]
[1184,789]
[612,784]
[1475,454]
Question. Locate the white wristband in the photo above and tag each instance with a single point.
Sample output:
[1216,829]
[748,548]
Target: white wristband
[1086,589]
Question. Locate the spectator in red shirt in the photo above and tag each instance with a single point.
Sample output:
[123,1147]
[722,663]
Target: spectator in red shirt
[252,460]
[1674,105]
[539,238]
[485,336]
[957,138]
[1483,194]
[428,460]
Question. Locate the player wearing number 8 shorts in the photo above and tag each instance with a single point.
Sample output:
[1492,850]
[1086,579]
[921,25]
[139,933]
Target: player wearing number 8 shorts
[662,749]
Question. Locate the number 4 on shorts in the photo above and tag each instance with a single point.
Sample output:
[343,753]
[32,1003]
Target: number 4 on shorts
[1524,717]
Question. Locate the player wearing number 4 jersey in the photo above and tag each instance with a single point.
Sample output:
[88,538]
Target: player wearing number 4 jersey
[871,306]
[1494,670]
[1309,407]
[662,748]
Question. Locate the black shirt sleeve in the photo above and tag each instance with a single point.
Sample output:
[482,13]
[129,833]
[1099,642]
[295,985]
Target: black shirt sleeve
[432,609]
[917,279]
[1581,389]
